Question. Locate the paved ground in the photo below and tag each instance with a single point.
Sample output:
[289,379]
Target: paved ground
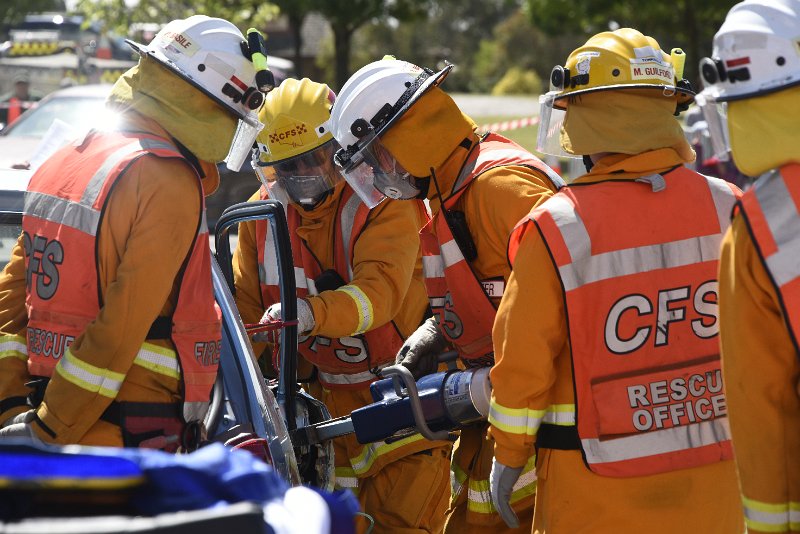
[497,106]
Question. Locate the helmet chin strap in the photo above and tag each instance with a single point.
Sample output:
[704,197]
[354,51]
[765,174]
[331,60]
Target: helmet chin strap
[588,163]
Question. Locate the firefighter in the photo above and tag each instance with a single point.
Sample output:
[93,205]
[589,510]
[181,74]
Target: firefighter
[360,293]
[404,138]
[110,332]
[754,72]
[606,337]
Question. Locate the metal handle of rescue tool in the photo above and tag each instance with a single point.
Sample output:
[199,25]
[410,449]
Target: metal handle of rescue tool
[401,376]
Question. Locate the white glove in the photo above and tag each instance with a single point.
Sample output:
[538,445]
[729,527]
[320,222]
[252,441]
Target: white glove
[19,418]
[420,352]
[501,483]
[21,429]
[305,319]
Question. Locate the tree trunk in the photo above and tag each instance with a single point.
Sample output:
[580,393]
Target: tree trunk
[341,40]
[296,26]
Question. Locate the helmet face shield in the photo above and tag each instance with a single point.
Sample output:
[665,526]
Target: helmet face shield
[243,140]
[305,179]
[551,119]
[375,174]
[716,116]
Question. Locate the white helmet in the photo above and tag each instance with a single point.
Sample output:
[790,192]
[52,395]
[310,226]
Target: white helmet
[756,52]
[371,102]
[212,55]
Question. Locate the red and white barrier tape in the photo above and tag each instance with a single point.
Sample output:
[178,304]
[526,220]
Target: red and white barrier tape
[514,124]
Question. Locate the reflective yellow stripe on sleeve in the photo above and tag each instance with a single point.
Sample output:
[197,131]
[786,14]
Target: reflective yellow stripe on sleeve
[363,462]
[560,415]
[13,347]
[457,479]
[771,517]
[86,376]
[346,479]
[479,498]
[515,420]
[158,360]
[363,305]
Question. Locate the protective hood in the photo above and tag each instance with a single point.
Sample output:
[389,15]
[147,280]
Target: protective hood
[623,122]
[428,133]
[188,115]
[763,131]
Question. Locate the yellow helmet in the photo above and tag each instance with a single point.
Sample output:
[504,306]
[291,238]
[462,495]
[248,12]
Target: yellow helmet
[296,114]
[295,152]
[622,59]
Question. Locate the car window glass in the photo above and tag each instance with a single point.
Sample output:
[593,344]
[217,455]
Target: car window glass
[81,113]
[9,234]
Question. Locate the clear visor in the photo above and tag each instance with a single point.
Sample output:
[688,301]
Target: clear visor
[305,179]
[243,140]
[551,119]
[374,174]
[716,116]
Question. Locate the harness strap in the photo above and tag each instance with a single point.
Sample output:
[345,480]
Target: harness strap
[560,437]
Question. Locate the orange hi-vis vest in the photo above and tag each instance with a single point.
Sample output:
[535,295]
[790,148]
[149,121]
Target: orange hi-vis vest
[640,286]
[345,362]
[461,301]
[64,209]
[770,210]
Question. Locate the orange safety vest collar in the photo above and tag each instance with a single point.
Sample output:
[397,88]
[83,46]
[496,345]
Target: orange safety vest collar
[346,362]
[64,208]
[461,301]
[772,217]
[640,285]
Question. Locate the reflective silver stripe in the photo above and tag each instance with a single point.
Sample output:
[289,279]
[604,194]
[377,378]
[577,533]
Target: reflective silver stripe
[88,377]
[62,211]
[363,305]
[771,517]
[436,302]
[781,215]
[573,231]
[527,478]
[268,270]
[664,441]
[158,360]
[491,156]
[560,414]
[194,411]
[346,482]
[95,185]
[355,378]
[13,346]
[433,266]
[724,200]
[639,260]
[451,254]
[347,221]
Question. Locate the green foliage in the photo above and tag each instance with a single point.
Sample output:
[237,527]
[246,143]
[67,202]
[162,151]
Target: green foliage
[116,15]
[687,24]
[13,11]
[518,81]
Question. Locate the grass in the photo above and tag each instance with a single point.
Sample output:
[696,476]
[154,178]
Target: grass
[526,137]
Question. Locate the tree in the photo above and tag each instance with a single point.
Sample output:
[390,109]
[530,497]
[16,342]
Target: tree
[13,11]
[296,12]
[117,15]
[686,24]
[347,16]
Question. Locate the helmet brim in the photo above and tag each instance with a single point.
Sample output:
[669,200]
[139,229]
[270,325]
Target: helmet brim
[159,56]
[433,80]
[685,96]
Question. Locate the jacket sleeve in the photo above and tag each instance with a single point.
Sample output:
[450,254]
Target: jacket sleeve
[761,371]
[529,333]
[150,225]
[13,320]
[384,258]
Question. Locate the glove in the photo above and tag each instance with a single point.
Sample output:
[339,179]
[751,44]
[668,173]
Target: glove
[21,429]
[305,319]
[19,418]
[419,354]
[501,483]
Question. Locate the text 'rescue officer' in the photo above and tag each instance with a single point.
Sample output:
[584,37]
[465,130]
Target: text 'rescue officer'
[106,307]
[360,293]
[752,105]
[606,337]
[404,138]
